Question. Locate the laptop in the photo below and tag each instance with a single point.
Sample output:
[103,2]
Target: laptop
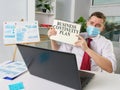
[56,66]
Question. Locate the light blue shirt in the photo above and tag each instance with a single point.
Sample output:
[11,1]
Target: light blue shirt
[99,44]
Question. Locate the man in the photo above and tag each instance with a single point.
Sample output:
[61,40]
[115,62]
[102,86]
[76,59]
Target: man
[101,50]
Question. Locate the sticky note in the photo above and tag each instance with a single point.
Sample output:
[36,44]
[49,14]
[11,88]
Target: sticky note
[16,86]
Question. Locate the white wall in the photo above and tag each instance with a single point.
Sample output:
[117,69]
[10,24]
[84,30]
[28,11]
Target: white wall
[82,8]
[108,10]
[13,10]
[71,10]
[63,9]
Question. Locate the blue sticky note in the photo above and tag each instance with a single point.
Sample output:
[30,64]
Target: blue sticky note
[16,86]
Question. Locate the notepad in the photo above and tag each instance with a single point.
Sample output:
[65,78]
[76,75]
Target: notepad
[10,70]
[16,86]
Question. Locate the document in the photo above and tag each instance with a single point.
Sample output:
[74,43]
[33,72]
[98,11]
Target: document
[20,32]
[10,70]
[66,31]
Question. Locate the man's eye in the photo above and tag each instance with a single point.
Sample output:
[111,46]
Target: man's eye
[91,23]
[98,26]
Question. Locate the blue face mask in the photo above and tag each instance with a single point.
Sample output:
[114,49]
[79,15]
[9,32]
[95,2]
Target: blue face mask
[93,31]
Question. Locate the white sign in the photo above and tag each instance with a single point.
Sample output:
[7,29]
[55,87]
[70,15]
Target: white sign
[66,31]
[20,32]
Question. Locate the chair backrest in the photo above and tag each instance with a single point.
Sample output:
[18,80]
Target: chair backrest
[117,54]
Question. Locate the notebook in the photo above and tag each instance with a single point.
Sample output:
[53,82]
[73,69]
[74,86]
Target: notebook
[56,66]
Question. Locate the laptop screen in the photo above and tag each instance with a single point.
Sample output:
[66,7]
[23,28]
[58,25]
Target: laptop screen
[56,66]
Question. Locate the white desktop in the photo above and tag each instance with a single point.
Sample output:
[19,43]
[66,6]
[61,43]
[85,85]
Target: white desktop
[101,81]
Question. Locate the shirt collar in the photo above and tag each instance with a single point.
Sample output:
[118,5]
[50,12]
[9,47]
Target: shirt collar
[85,36]
[96,38]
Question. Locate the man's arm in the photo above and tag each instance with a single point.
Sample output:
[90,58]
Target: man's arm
[101,61]
[54,45]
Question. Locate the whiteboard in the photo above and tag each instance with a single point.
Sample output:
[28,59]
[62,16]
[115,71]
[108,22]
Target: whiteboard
[14,10]
[20,32]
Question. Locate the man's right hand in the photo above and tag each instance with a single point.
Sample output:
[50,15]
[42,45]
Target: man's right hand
[51,32]
[54,44]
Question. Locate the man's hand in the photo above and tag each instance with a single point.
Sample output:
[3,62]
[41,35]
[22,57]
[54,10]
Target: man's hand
[51,31]
[81,43]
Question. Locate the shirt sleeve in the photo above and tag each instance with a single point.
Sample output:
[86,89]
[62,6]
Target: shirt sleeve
[108,52]
[65,47]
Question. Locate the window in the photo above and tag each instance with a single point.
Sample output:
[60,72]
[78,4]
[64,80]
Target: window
[104,2]
[111,9]
[112,30]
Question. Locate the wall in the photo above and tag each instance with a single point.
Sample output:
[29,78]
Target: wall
[63,8]
[82,8]
[70,10]
[108,10]
[13,10]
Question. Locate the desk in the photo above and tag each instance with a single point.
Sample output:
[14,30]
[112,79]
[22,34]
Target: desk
[101,81]
[104,81]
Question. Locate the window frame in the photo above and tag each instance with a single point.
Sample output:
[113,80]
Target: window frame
[108,10]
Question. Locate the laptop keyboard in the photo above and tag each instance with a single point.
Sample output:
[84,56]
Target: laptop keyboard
[85,77]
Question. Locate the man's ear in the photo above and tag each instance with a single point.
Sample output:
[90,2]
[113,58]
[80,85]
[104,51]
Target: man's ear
[103,29]
[87,23]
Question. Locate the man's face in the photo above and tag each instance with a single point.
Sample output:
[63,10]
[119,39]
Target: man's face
[96,22]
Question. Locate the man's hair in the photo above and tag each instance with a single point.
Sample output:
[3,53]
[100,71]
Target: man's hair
[99,15]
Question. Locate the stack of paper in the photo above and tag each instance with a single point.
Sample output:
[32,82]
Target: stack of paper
[11,70]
